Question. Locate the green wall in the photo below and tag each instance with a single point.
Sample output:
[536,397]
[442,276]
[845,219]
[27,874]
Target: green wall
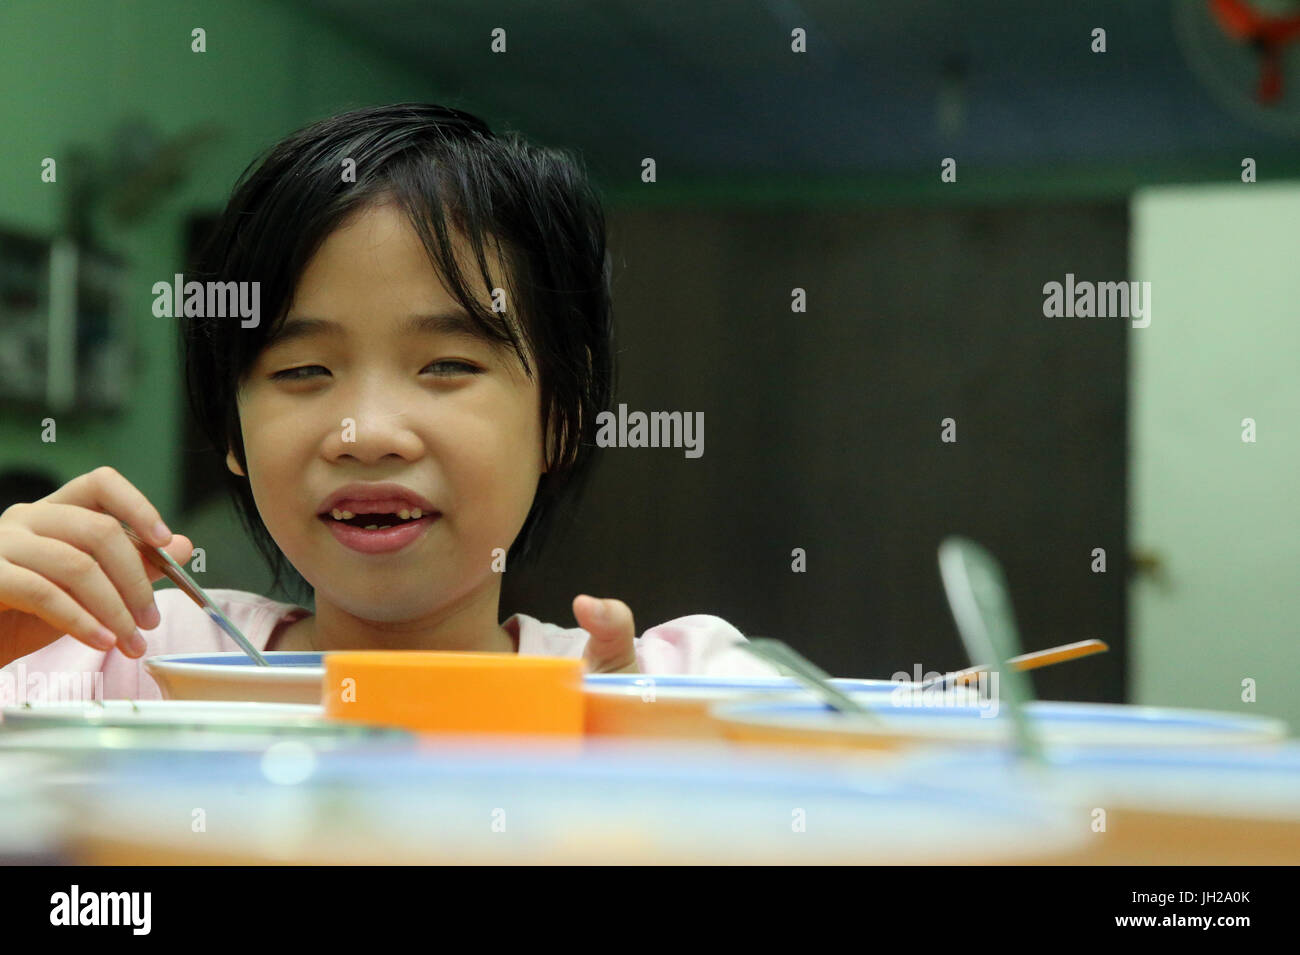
[70,72]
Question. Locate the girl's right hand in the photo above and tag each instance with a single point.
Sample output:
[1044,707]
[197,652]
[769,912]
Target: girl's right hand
[67,566]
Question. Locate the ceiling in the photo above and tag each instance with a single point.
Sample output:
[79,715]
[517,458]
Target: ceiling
[712,89]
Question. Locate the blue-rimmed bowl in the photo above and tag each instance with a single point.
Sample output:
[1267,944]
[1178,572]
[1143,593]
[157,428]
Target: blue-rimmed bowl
[292,677]
[894,725]
[680,706]
[513,804]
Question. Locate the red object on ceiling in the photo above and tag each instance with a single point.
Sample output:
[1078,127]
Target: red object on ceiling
[1269,35]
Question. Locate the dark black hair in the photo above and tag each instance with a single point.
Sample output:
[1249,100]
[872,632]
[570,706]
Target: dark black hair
[439,165]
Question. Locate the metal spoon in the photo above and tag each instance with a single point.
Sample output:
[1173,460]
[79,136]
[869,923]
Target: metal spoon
[177,575]
[785,659]
[1025,661]
[981,606]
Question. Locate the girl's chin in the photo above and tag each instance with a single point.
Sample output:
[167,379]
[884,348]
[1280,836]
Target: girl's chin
[386,595]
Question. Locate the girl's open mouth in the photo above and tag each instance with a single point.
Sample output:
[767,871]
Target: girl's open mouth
[377,533]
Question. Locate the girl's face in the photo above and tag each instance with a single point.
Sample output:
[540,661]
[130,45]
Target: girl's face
[444,413]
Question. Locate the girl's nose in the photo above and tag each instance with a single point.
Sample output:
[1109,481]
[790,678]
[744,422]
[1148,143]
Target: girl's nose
[372,437]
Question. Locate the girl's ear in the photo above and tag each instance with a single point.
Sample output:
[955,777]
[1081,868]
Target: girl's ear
[548,452]
[233,465]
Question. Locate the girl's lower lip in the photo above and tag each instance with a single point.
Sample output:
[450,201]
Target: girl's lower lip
[378,542]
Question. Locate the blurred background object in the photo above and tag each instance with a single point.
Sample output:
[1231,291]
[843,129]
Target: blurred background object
[24,485]
[1104,139]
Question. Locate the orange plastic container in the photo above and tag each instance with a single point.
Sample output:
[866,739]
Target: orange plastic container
[441,692]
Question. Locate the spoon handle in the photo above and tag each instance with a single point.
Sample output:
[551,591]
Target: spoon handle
[1029,661]
[981,607]
[177,575]
[784,658]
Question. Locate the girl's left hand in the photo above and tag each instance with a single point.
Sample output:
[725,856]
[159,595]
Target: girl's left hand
[611,648]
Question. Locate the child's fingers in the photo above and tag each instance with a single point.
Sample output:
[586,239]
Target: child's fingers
[94,541]
[66,563]
[611,647]
[32,592]
[106,491]
[78,574]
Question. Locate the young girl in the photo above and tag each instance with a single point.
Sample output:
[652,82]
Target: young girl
[409,402]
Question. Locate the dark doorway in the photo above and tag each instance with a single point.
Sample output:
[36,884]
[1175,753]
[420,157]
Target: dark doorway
[822,432]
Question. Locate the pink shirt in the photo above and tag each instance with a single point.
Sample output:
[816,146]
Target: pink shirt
[697,644]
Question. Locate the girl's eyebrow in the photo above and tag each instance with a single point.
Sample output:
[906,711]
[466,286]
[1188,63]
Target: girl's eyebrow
[451,321]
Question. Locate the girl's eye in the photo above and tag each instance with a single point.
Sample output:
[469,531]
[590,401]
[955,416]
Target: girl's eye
[291,374]
[300,373]
[462,366]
